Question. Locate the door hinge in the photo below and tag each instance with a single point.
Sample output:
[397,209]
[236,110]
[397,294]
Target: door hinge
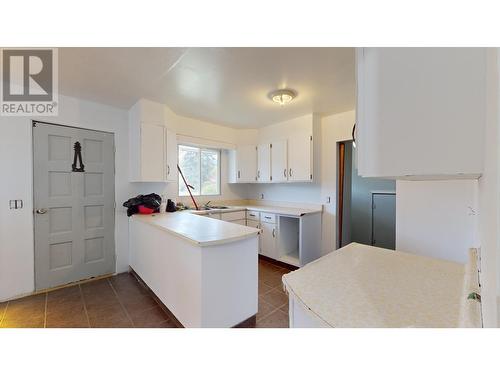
[311,177]
[311,137]
[271,145]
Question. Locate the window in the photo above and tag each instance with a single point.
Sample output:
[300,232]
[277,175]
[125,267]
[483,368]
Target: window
[201,169]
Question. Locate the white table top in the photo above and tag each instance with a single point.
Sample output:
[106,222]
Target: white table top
[366,286]
[200,230]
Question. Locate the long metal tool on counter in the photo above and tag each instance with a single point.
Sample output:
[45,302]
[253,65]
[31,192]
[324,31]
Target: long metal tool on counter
[188,187]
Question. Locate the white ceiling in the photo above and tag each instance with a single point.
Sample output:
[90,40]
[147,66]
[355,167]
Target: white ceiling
[228,86]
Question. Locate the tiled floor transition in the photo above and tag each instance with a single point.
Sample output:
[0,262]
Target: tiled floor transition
[122,301]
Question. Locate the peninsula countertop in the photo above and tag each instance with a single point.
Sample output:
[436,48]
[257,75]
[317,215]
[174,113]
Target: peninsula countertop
[200,230]
[287,211]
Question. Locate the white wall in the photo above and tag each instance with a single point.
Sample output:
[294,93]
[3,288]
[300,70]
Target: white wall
[16,226]
[489,200]
[437,218]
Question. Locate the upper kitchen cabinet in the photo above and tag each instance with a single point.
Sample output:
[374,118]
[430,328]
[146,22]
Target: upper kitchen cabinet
[153,153]
[421,112]
[264,162]
[152,146]
[300,157]
[243,164]
[279,161]
[287,152]
[171,155]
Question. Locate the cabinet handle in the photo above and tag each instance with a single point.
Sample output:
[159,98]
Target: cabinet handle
[258,174]
[268,217]
[290,172]
[274,232]
[239,175]
[168,170]
[284,172]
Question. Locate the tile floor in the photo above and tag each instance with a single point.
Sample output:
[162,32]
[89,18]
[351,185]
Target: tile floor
[121,301]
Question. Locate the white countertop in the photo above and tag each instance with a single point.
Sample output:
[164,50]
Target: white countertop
[202,231]
[366,286]
[288,211]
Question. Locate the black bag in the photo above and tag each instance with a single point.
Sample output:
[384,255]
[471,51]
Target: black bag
[170,206]
[152,201]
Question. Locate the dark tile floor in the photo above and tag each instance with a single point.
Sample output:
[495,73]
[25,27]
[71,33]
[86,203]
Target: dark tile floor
[122,301]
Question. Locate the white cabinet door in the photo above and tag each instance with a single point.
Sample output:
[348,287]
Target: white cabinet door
[171,155]
[264,162]
[246,164]
[420,111]
[268,236]
[300,157]
[152,146]
[255,224]
[279,163]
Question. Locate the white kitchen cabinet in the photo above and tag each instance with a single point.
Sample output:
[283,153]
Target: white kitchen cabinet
[279,161]
[421,112]
[264,162]
[171,155]
[243,164]
[152,153]
[255,224]
[300,157]
[268,239]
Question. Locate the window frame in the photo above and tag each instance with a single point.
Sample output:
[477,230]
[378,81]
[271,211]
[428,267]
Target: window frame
[219,173]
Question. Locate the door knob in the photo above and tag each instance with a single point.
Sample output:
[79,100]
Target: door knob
[41,211]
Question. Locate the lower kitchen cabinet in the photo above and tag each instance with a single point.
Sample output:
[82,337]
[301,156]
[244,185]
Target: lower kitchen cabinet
[268,239]
[255,224]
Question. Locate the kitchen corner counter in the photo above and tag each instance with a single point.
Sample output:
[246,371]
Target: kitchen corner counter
[286,211]
[197,229]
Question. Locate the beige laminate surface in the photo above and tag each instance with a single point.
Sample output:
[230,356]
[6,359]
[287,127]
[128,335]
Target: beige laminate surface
[365,286]
[288,211]
[200,230]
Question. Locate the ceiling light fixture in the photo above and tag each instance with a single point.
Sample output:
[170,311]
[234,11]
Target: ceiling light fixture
[282,97]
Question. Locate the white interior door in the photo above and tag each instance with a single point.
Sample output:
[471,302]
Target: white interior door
[264,162]
[299,157]
[279,165]
[74,210]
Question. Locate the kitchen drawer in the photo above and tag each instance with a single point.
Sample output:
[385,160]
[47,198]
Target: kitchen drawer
[267,217]
[253,215]
[232,216]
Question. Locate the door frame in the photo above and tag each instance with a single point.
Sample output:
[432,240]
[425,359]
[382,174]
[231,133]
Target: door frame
[373,193]
[33,125]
